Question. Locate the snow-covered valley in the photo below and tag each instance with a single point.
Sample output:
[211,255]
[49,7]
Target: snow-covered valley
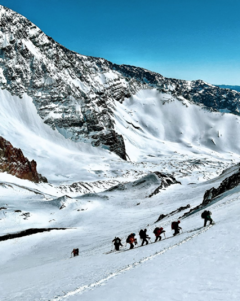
[40,266]
[160,147]
[200,259]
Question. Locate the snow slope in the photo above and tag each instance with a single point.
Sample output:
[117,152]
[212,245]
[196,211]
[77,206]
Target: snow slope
[60,159]
[190,266]
[155,123]
[77,94]
[155,126]
[38,267]
[160,125]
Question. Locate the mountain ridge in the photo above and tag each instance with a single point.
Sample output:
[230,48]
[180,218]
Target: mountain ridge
[231,87]
[77,95]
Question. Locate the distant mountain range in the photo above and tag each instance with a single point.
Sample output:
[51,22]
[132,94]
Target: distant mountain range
[236,88]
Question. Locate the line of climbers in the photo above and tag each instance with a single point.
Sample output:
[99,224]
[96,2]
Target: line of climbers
[206,215]
[131,239]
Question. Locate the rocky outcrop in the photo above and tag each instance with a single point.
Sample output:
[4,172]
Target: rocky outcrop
[162,216]
[147,186]
[13,162]
[227,184]
[28,232]
[87,187]
[199,92]
[76,94]
[166,180]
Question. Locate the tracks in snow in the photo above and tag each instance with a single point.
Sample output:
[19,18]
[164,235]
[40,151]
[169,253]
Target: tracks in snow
[128,267]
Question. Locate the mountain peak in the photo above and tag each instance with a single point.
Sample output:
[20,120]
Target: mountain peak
[77,95]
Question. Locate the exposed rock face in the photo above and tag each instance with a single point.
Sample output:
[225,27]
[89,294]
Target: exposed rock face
[147,185]
[227,184]
[76,94]
[198,91]
[87,187]
[28,232]
[13,162]
[166,180]
[162,216]
[209,195]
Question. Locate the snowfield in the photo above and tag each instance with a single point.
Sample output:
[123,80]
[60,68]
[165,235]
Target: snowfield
[155,123]
[162,134]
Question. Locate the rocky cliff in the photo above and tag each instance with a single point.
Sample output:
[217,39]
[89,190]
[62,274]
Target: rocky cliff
[13,162]
[76,94]
[227,184]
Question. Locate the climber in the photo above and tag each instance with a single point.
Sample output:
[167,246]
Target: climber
[131,240]
[143,235]
[175,227]
[206,215]
[158,231]
[75,252]
[117,243]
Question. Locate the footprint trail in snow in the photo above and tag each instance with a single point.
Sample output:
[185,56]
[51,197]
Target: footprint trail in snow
[129,267]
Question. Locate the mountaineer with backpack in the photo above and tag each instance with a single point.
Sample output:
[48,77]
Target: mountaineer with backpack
[143,235]
[117,243]
[75,252]
[206,215]
[131,240]
[175,227]
[158,231]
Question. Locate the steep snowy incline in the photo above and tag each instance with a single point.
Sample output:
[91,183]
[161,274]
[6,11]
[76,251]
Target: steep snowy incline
[155,123]
[40,268]
[149,132]
[80,168]
[60,159]
[76,94]
[198,266]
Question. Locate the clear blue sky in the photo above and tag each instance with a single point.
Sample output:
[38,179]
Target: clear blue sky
[187,39]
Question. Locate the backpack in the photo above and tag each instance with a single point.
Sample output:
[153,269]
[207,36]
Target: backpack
[174,225]
[155,230]
[131,240]
[75,252]
[205,213]
[158,231]
[141,234]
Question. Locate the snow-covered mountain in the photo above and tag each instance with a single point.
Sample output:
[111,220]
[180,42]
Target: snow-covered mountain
[123,149]
[79,95]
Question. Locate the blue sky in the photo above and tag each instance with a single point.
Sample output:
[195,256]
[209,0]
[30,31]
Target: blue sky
[185,39]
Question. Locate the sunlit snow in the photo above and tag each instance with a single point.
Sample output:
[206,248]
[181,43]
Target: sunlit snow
[161,134]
